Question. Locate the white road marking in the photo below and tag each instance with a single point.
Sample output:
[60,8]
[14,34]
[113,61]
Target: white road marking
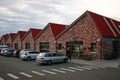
[84,68]
[25,74]
[1,78]
[58,70]
[13,76]
[67,69]
[76,68]
[91,67]
[48,71]
[38,73]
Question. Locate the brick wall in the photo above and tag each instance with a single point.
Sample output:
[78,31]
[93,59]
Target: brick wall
[107,45]
[83,30]
[17,40]
[28,39]
[9,42]
[46,36]
[3,41]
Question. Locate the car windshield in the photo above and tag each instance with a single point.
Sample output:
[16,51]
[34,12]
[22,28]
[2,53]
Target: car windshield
[48,55]
[34,52]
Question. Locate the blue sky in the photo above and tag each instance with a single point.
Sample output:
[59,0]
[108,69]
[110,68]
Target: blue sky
[18,15]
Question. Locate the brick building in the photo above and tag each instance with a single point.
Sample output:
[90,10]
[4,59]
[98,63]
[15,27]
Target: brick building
[91,34]
[4,39]
[28,39]
[45,41]
[17,41]
[9,41]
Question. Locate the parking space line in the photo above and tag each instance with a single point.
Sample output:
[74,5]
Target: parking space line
[84,68]
[1,78]
[25,74]
[13,76]
[38,73]
[76,68]
[58,70]
[67,69]
[48,71]
[91,67]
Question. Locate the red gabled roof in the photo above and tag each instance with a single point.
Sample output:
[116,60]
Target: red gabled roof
[21,33]
[5,37]
[35,32]
[107,26]
[12,35]
[57,28]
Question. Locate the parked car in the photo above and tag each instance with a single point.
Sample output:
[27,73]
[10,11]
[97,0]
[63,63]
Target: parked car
[29,55]
[16,53]
[2,48]
[23,51]
[49,58]
[8,52]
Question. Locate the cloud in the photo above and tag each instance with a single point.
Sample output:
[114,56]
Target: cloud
[24,14]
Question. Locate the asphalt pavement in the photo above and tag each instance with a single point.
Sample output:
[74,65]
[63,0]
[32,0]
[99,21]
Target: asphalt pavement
[15,69]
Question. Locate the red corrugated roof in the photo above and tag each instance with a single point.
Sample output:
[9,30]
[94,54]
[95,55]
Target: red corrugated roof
[57,28]
[107,26]
[21,33]
[35,32]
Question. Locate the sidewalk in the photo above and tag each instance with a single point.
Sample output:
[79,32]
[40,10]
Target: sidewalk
[97,62]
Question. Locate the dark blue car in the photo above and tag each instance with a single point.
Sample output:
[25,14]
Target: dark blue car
[9,52]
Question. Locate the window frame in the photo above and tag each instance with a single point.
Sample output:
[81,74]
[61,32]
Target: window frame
[93,47]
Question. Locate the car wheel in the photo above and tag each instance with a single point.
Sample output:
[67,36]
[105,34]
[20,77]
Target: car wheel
[49,62]
[65,60]
[29,58]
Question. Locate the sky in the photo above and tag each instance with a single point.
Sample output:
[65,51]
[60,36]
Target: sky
[21,15]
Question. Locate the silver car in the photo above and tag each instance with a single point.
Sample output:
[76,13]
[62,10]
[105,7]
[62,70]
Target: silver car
[49,58]
[29,55]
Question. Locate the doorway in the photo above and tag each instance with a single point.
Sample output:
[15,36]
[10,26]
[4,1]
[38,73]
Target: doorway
[116,49]
[74,47]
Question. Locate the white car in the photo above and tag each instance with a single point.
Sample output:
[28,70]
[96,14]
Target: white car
[49,58]
[29,55]
[2,49]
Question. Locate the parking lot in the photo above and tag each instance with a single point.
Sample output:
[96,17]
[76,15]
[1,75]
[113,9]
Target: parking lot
[14,68]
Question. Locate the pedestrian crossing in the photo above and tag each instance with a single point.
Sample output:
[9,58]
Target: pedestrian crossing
[1,78]
[53,71]
[50,72]
[25,74]
[13,76]
[38,73]
[58,70]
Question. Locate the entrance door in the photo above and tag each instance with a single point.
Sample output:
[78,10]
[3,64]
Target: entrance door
[116,49]
[74,48]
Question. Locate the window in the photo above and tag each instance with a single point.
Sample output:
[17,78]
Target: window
[16,45]
[60,46]
[44,47]
[34,52]
[27,45]
[75,46]
[48,55]
[93,47]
